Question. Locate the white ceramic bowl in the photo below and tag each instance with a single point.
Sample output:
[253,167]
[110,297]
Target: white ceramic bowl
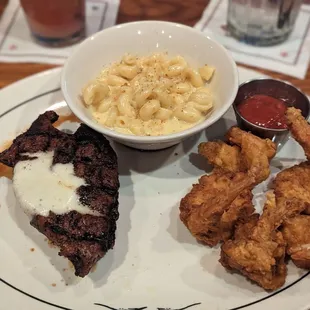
[142,38]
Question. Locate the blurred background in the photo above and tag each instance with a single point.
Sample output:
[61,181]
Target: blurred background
[270,36]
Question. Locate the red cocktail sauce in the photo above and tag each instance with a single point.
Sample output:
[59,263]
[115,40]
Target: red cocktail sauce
[264,111]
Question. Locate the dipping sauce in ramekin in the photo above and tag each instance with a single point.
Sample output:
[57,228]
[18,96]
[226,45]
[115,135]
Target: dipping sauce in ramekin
[264,111]
[260,107]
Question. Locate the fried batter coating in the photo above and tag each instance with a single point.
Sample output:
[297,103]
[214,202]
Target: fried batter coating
[222,155]
[240,210]
[300,129]
[253,244]
[296,233]
[244,228]
[258,250]
[292,188]
[222,203]
[256,152]
[201,209]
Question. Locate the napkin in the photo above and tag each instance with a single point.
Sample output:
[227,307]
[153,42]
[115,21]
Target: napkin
[16,44]
[290,57]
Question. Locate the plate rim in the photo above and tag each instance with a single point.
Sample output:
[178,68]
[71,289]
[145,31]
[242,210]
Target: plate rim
[57,71]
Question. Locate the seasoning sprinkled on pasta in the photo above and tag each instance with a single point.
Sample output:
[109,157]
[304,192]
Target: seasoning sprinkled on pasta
[152,95]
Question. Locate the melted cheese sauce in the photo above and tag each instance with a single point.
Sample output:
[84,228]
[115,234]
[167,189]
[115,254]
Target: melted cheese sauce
[158,128]
[149,96]
[6,171]
[41,187]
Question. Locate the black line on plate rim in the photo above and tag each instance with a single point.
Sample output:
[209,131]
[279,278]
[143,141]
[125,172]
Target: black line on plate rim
[64,308]
[33,297]
[271,295]
[28,100]
[3,281]
[189,306]
[111,308]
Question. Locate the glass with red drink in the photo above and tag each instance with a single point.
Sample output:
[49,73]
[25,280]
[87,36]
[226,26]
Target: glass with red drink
[55,22]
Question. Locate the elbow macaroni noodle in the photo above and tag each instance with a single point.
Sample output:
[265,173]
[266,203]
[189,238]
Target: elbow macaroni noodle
[151,95]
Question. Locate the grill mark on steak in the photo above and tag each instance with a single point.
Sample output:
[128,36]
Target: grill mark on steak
[83,238]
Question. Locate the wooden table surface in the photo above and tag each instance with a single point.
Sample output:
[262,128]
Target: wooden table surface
[185,12]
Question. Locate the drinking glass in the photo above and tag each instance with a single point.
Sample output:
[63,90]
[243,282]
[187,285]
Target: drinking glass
[55,22]
[262,22]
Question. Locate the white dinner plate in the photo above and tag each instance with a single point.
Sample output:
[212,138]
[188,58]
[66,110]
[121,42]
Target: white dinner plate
[156,263]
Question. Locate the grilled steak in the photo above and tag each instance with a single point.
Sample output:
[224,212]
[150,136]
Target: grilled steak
[82,238]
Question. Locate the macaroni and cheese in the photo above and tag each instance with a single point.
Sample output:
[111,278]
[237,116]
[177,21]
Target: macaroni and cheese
[151,95]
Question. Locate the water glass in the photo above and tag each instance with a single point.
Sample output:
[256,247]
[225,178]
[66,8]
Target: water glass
[262,22]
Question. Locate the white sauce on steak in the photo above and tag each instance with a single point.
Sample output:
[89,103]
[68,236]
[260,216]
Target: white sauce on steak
[42,187]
